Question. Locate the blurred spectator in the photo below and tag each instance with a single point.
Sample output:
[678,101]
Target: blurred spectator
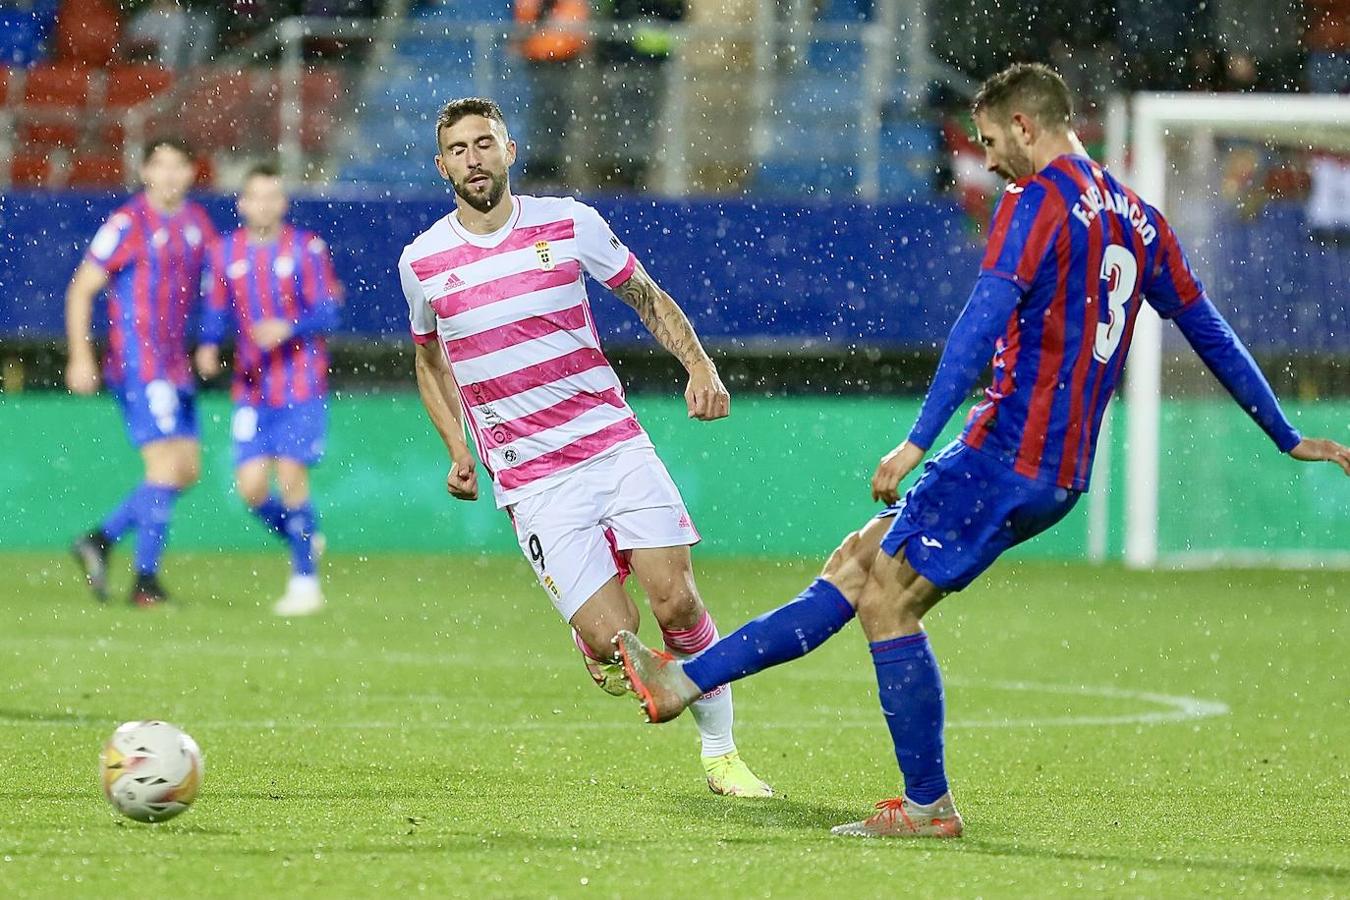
[159,32]
[634,84]
[1328,43]
[243,19]
[553,44]
[1259,43]
[339,9]
[1165,44]
[337,48]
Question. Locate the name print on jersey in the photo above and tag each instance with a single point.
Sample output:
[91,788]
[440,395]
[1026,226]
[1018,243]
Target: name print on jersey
[1094,200]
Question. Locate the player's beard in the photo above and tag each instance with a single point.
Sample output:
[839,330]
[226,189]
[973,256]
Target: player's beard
[1017,165]
[482,202]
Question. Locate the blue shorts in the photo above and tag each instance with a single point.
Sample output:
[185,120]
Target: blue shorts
[287,432]
[157,411]
[964,511]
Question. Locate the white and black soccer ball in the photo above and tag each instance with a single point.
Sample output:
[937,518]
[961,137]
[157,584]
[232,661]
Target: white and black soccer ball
[151,771]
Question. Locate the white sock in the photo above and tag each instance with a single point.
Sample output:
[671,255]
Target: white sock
[304,583]
[713,711]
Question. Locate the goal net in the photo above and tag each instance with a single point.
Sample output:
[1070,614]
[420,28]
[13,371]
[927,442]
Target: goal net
[1258,189]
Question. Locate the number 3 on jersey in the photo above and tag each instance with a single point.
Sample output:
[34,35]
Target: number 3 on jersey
[1120,271]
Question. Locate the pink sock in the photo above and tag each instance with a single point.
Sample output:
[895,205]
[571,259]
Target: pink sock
[693,640]
[587,651]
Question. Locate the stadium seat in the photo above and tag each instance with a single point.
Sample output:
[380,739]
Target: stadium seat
[11,82]
[87,32]
[127,86]
[29,170]
[58,94]
[219,109]
[91,171]
[321,93]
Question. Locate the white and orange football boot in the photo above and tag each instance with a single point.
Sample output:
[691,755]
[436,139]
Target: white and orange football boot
[903,818]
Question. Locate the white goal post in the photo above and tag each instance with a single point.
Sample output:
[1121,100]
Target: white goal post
[1321,121]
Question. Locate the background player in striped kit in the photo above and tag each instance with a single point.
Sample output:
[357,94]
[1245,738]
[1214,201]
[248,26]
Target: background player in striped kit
[150,255]
[1072,253]
[274,284]
[506,345]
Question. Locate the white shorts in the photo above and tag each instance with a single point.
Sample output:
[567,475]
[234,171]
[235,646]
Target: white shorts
[577,535]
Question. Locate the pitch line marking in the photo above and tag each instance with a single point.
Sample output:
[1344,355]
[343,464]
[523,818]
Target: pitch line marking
[1172,708]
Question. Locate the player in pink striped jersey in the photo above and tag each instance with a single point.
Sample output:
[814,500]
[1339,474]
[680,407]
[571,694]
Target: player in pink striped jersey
[149,255]
[507,350]
[273,286]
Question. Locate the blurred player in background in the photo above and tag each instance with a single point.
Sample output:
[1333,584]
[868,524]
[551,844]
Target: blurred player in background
[272,288]
[1071,253]
[505,340]
[150,256]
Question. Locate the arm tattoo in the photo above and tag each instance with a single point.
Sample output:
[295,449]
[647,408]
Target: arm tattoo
[663,317]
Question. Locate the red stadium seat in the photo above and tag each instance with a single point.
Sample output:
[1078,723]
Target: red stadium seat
[219,110]
[321,92]
[29,170]
[87,31]
[11,82]
[128,86]
[90,171]
[57,94]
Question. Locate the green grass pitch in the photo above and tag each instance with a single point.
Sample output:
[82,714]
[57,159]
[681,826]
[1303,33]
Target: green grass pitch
[1165,734]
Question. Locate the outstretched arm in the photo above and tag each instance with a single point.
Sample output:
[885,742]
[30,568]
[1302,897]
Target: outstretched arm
[1224,354]
[440,396]
[969,348]
[81,367]
[706,396]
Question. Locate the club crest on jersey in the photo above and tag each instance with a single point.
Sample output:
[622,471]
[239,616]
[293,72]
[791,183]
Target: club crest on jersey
[545,255]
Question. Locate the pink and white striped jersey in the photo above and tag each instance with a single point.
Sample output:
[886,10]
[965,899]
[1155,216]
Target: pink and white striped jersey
[511,313]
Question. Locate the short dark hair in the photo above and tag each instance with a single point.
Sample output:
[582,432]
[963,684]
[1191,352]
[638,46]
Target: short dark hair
[455,110]
[263,169]
[1031,88]
[175,143]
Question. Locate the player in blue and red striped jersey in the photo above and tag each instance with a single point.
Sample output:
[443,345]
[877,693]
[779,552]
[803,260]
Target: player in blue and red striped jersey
[149,255]
[1072,254]
[274,284]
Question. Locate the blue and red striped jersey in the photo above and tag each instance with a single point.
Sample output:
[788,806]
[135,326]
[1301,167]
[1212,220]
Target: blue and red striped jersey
[1084,249]
[290,278]
[155,263]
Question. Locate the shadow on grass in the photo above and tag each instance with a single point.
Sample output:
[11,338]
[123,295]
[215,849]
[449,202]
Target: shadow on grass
[973,845]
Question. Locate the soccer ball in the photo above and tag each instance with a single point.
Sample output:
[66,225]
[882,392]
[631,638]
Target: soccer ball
[151,771]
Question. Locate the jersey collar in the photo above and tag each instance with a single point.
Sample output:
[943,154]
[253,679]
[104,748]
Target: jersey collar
[491,240]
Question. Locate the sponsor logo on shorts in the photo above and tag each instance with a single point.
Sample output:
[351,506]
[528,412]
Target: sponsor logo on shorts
[551,586]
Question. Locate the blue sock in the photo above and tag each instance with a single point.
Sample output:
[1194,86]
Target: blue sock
[121,519]
[301,522]
[272,513]
[788,632]
[910,685]
[153,512]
